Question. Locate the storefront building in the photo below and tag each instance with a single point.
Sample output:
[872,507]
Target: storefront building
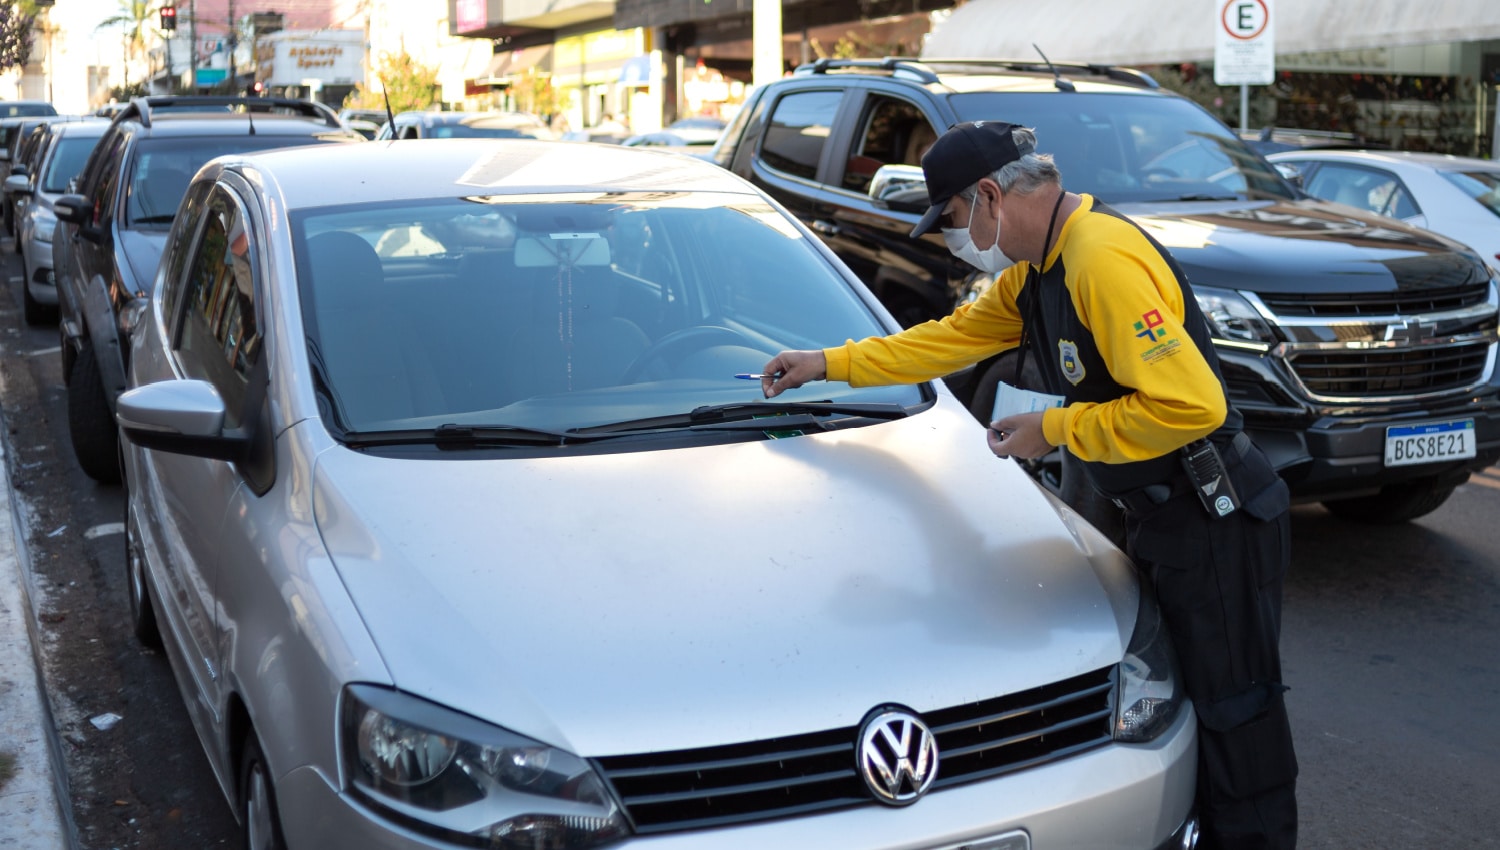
[1411,76]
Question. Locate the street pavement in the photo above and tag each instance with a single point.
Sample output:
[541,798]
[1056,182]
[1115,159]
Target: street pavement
[31,813]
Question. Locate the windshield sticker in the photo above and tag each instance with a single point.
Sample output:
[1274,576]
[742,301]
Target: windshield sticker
[1067,357]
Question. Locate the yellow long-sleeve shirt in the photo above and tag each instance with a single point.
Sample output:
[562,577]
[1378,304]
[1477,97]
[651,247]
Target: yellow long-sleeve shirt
[1119,335]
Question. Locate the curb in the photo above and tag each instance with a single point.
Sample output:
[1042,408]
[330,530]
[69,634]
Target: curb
[32,816]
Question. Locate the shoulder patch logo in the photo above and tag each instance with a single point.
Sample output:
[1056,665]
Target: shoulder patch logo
[1150,327]
[1067,358]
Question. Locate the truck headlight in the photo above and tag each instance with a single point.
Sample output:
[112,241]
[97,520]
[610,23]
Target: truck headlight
[464,780]
[1150,695]
[1231,318]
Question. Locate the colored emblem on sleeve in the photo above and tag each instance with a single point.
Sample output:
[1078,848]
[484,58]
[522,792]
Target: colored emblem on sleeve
[1150,327]
[1067,357]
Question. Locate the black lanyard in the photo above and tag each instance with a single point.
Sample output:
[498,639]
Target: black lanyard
[1033,303]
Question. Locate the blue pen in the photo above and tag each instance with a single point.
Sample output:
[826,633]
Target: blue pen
[749,377]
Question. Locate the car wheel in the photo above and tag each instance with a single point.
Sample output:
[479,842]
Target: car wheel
[96,439]
[1395,503]
[142,614]
[258,815]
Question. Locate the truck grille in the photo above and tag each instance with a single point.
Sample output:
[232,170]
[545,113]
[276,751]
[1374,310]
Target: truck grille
[1352,373]
[738,783]
[1401,303]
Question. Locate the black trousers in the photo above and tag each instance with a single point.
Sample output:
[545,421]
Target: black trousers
[1219,583]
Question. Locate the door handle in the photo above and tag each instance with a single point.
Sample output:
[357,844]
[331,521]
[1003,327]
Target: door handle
[825,228]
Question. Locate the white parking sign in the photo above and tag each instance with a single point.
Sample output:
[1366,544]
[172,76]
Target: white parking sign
[1244,43]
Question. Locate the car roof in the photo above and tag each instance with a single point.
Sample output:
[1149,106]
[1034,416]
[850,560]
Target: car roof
[417,169]
[79,128]
[960,74]
[1438,161]
[175,124]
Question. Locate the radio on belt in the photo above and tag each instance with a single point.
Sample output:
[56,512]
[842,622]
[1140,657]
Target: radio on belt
[1205,469]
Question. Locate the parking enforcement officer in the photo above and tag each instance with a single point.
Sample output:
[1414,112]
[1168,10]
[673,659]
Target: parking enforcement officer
[1112,324]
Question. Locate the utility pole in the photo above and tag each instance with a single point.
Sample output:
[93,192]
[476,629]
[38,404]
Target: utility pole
[234,43]
[192,46]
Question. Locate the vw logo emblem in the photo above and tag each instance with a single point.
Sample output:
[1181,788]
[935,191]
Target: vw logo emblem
[898,756]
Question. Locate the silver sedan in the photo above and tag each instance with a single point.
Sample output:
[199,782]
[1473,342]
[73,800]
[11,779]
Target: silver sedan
[464,524]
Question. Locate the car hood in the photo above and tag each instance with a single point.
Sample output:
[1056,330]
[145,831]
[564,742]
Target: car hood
[651,600]
[1302,246]
[143,250]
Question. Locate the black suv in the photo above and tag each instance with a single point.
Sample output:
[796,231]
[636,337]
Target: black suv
[1361,351]
[111,234]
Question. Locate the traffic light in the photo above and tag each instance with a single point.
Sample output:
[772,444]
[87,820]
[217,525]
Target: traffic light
[169,18]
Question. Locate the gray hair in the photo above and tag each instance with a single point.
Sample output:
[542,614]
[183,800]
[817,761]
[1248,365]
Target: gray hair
[1025,175]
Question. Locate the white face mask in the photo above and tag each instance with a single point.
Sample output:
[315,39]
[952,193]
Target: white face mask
[990,261]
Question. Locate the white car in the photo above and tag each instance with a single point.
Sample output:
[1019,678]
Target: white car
[1453,196]
[464,526]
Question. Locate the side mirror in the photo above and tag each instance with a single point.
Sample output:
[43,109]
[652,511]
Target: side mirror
[901,188]
[1292,173]
[20,168]
[17,184]
[74,209]
[181,416]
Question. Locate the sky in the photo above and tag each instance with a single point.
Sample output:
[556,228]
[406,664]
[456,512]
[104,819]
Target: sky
[74,50]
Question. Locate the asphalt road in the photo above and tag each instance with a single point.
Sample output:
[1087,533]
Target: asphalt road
[1391,647]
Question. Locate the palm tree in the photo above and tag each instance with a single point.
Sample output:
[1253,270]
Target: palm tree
[135,18]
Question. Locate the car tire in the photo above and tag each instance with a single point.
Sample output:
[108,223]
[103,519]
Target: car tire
[1395,503]
[96,438]
[142,612]
[259,818]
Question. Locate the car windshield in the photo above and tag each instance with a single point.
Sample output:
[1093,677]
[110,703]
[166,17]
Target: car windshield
[164,167]
[1482,186]
[562,312]
[69,153]
[1126,148]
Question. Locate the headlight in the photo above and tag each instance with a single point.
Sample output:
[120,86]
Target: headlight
[464,780]
[43,228]
[1150,696]
[1231,318]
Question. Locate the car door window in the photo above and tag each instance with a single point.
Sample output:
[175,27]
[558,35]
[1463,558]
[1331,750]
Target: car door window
[218,335]
[1372,189]
[799,128]
[101,193]
[893,131]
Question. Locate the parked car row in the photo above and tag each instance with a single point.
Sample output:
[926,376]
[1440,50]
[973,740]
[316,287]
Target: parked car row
[492,400]
[357,419]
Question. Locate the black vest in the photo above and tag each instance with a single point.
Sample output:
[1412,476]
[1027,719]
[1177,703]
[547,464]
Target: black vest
[1055,320]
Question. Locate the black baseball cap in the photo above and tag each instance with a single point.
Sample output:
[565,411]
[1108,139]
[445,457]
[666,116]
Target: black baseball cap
[961,156]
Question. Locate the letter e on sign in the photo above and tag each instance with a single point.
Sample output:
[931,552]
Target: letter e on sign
[1244,43]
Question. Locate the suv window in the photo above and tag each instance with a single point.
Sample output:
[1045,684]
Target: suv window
[1123,148]
[218,339]
[798,130]
[894,132]
[102,197]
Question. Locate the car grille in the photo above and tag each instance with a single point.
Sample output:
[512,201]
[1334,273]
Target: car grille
[1401,303]
[737,783]
[1364,373]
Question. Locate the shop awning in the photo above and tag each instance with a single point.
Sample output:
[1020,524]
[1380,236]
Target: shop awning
[1146,32]
[506,65]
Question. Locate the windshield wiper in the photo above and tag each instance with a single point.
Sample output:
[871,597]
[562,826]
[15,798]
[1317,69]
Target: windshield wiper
[1204,196]
[757,415]
[452,436]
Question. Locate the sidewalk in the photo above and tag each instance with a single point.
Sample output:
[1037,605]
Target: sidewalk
[31,817]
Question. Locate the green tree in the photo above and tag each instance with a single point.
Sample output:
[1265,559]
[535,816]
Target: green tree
[136,19]
[534,93]
[408,84]
[16,21]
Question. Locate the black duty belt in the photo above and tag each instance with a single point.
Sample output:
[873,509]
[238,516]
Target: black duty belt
[1148,497]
